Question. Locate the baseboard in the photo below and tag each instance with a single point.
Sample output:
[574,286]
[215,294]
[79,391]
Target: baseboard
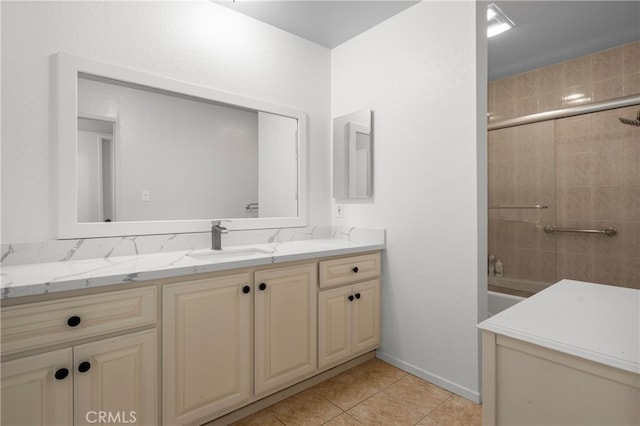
[431,378]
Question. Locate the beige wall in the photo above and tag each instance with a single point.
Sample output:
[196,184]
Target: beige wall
[585,168]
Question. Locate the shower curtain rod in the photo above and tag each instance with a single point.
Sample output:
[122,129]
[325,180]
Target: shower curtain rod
[566,112]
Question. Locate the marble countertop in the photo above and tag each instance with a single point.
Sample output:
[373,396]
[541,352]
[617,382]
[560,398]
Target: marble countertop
[49,277]
[597,322]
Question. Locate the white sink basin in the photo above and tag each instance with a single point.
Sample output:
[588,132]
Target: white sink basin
[230,253]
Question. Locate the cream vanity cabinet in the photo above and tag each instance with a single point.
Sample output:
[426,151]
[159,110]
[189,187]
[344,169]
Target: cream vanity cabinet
[286,326]
[212,327]
[349,313]
[207,346]
[229,339]
[72,373]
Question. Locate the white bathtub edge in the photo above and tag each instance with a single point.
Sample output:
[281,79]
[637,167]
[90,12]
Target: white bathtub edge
[498,302]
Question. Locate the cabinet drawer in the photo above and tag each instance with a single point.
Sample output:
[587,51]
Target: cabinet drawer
[41,324]
[349,269]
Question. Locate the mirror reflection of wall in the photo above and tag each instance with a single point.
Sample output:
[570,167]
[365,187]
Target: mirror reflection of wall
[95,170]
[359,160]
[352,156]
[277,166]
[176,157]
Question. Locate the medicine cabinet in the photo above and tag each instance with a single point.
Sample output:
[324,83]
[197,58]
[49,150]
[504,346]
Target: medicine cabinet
[353,156]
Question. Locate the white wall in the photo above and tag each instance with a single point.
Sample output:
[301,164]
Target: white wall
[417,71]
[196,42]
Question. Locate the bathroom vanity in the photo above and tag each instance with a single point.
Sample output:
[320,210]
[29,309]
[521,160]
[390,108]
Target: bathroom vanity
[568,355]
[178,336]
[182,337]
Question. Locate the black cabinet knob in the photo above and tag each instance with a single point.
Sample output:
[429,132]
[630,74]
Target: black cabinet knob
[73,321]
[84,366]
[246,289]
[350,298]
[355,269]
[61,374]
[262,286]
[357,295]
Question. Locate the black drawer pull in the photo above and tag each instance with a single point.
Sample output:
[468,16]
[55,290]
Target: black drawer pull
[246,289]
[73,321]
[262,286]
[355,269]
[84,366]
[61,374]
[350,298]
[357,295]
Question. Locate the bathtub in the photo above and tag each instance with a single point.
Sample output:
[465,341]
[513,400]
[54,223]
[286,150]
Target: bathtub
[498,302]
[519,284]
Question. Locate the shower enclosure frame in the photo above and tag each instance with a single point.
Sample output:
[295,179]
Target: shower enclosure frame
[566,112]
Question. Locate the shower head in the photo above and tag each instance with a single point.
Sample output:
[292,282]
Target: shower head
[635,122]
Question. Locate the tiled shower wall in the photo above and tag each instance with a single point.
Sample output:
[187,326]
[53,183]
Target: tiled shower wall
[604,75]
[585,168]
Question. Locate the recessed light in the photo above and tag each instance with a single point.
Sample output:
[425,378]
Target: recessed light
[497,21]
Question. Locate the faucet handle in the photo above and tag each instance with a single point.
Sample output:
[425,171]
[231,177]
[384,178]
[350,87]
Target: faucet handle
[216,224]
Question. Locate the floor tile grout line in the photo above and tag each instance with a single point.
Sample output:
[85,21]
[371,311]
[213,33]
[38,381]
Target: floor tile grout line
[344,412]
[360,402]
[331,402]
[378,390]
[411,403]
[279,419]
[432,410]
[436,407]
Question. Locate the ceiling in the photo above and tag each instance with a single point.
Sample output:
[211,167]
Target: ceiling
[545,32]
[548,32]
[328,23]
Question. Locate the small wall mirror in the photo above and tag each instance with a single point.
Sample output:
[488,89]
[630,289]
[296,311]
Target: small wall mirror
[353,156]
[141,154]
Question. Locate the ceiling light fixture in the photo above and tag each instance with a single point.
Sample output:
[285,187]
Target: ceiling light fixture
[497,21]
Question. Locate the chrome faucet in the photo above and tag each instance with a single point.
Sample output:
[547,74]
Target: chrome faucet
[216,235]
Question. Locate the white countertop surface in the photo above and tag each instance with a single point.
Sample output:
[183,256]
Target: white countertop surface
[42,278]
[597,322]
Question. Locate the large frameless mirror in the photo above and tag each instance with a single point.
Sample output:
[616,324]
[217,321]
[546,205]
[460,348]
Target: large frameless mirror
[140,154]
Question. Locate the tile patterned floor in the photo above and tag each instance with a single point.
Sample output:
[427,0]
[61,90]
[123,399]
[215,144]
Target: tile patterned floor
[373,393]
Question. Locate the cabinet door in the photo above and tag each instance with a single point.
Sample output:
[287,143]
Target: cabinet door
[366,316]
[31,393]
[120,381]
[334,325]
[286,326]
[206,346]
